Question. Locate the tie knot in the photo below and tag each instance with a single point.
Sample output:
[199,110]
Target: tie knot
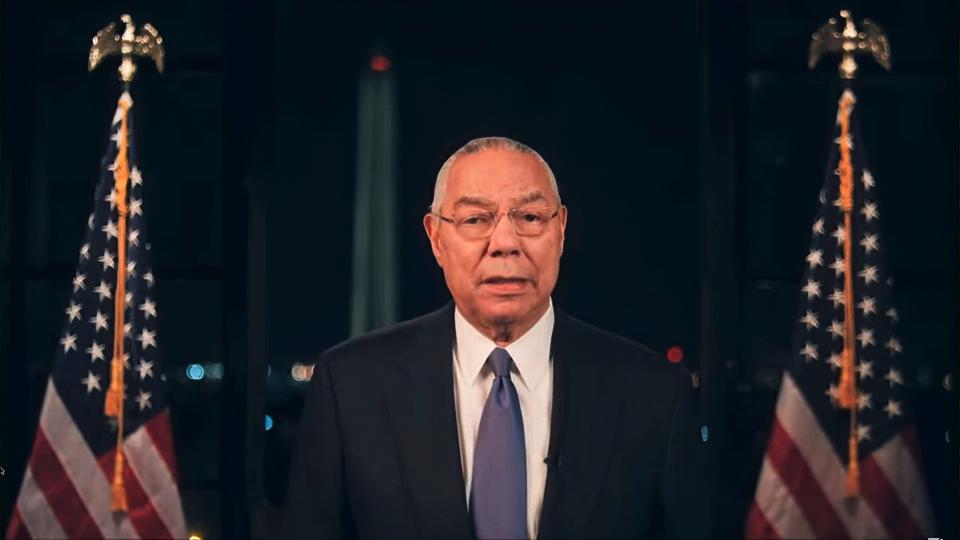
[500,361]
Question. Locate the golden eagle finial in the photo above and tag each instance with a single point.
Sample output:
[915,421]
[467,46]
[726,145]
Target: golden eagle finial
[848,41]
[128,44]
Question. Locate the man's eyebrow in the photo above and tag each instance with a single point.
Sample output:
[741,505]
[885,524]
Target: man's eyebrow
[535,196]
[473,201]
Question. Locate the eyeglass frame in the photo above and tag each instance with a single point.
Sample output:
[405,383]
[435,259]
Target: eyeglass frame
[496,221]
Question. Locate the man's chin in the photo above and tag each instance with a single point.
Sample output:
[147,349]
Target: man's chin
[506,311]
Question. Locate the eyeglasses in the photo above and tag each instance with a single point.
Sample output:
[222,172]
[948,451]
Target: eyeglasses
[525,221]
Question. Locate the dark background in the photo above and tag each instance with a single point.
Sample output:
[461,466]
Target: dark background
[688,139]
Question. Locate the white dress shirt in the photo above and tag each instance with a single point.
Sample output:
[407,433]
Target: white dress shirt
[532,375]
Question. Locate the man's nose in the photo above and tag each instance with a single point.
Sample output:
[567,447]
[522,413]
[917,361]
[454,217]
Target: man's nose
[503,240]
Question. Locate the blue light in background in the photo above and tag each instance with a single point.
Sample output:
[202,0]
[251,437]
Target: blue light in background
[195,372]
[268,423]
[704,433]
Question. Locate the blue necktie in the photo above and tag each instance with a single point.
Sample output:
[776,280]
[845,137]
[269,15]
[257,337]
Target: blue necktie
[498,494]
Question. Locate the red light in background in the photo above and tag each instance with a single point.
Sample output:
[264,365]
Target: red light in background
[380,63]
[675,354]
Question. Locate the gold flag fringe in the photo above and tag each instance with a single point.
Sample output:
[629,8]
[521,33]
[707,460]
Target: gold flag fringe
[847,392]
[113,405]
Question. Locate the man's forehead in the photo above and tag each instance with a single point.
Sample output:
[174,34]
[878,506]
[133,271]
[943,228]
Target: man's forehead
[498,159]
[467,199]
[498,174]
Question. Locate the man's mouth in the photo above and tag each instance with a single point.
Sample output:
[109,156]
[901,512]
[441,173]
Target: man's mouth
[497,280]
[505,284]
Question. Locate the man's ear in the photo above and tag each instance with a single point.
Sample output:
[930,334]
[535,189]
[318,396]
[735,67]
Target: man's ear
[563,226]
[432,227]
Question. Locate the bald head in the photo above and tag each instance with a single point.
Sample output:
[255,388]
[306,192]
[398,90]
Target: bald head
[479,145]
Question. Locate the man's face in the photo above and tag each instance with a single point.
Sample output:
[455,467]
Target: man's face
[503,278]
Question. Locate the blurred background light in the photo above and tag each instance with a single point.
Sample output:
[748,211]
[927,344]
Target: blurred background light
[195,372]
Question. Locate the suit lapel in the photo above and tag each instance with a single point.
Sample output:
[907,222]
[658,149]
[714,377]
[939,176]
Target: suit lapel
[582,429]
[422,411]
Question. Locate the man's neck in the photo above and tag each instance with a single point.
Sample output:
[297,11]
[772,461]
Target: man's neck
[503,333]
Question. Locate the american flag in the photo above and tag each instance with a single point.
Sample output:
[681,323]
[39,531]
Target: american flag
[801,492]
[66,489]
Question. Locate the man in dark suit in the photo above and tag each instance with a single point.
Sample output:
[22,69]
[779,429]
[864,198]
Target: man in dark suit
[497,416]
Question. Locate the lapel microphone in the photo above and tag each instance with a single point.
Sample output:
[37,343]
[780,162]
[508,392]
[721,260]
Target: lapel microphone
[554,460]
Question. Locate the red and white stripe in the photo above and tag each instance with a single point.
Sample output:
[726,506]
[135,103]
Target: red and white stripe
[66,489]
[800,493]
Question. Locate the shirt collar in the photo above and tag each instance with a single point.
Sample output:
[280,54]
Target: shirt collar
[530,352]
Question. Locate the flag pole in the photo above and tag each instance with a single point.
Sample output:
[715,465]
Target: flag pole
[127,44]
[849,42]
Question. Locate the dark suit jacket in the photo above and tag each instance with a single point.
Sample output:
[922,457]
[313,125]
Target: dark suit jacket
[378,451]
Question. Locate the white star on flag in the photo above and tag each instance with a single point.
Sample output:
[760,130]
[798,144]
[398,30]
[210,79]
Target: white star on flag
[815,258]
[78,282]
[840,235]
[134,237]
[148,308]
[103,290]
[865,337]
[135,207]
[145,369]
[85,251]
[894,377]
[132,269]
[812,288]
[894,345]
[95,350]
[869,274]
[839,266]
[863,401]
[892,313]
[868,305]
[135,176]
[867,180]
[863,432]
[865,369]
[69,341]
[111,229]
[112,198]
[869,211]
[73,312]
[147,338]
[91,381]
[148,277]
[869,243]
[107,260]
[810,320]
[892,408]
[810,351]
[836,362]
[836,328]
[818,226]
[99,321]
[143,400]
[838,298]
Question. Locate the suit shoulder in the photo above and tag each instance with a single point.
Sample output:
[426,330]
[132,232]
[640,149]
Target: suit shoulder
[385,342]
